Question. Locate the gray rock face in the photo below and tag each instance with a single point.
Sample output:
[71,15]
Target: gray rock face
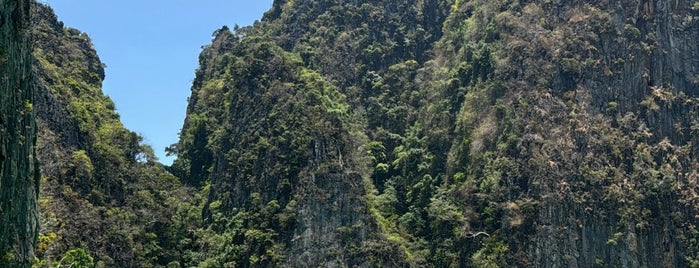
[19,174]
[331,215]
[653,60]
[605,96]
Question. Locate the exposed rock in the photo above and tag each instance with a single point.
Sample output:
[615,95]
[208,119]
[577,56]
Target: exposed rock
[19,173]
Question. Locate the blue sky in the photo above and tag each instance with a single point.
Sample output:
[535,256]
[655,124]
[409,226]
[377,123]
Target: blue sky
[151,50]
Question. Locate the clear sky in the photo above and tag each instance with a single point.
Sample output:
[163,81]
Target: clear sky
[151,49]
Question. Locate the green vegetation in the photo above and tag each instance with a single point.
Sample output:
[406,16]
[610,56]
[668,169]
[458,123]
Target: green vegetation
[393,133]
[104,200]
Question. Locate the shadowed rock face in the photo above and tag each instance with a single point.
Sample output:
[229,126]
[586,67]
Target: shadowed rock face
[19,175]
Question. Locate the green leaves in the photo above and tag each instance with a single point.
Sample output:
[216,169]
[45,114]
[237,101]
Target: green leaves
[467,144]
[102,190]
[77,258]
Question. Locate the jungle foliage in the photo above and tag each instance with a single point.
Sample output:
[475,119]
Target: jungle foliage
[393,133]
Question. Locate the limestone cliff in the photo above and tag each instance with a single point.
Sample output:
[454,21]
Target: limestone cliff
[279,156]
[485,133]
[580,141]
[104,197]
[430,133]
[19,177]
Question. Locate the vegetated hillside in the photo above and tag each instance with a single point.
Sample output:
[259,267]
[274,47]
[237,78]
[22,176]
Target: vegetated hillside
[19,176]
[104,199]
[428,133]
[275,141]
[281,141]
[580,146]
[448,133]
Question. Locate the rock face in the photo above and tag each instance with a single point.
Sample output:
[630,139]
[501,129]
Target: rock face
[650,53]
[585,121]
[275,145]
[433,133]
[485,133]
[102,192]
[19,174]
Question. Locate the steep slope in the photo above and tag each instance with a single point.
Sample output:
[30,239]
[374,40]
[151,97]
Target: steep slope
[468,133]
[579,133]
[278,116]
[427,133]
[275,141]
[19,178]
[104,198]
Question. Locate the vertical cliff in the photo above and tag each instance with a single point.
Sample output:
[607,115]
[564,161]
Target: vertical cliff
[19,174]
[272,148]
[105,200]
[578,146]
[277,123]
[484,133]
[429,133]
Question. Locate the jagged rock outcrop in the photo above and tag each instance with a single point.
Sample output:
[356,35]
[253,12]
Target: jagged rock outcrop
[19,173]
[105,200]
[278,145]
[490,133]
[434,133]
[274,118]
